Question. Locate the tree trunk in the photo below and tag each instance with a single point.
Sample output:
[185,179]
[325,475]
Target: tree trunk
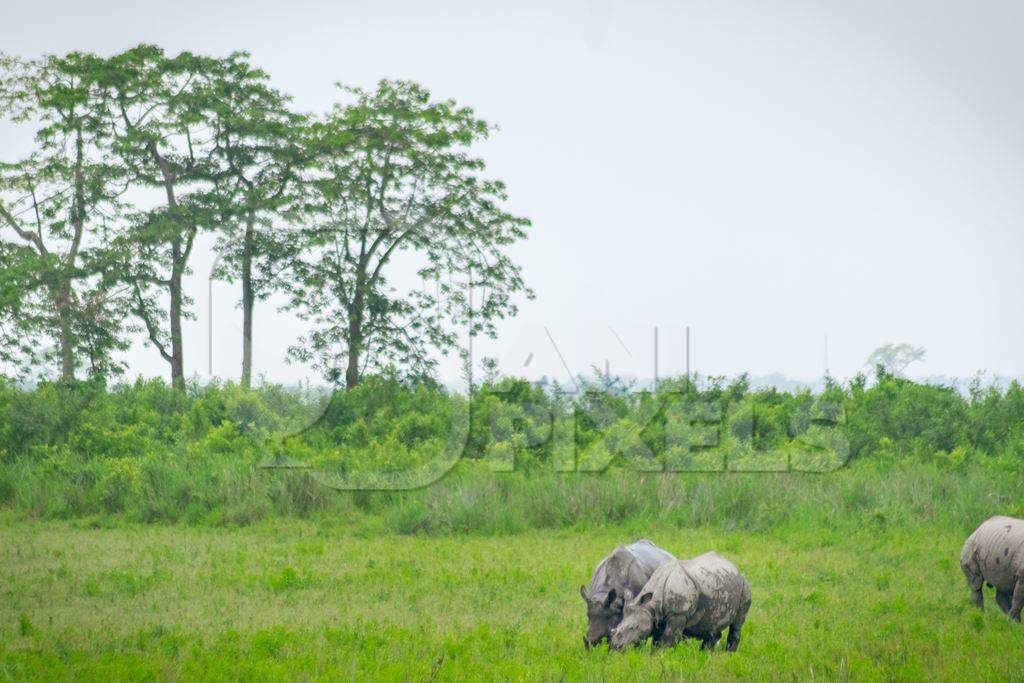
[66,341]
[355,337]
[64,312]
[248,300]
[352,371]
[179,259]
[177,353]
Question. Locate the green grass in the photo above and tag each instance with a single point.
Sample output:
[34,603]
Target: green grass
[333,599]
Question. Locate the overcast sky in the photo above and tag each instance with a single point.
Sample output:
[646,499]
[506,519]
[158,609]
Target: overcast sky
[767,173]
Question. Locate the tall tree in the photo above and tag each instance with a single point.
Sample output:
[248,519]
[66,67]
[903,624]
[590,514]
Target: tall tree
[59,207]
[394,174]
[259,142]
[156,109]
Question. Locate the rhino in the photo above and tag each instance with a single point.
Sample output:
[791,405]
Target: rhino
[694,598]
[994,554]
[625,570]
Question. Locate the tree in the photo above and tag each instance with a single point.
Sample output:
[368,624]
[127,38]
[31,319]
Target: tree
[157,111]
[60,206]
[393,175]
[18,347]
[259,142]
[895,358]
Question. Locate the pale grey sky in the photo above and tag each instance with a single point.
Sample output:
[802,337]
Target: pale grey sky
[767,173]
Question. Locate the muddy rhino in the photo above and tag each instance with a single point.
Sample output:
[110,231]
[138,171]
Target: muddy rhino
[694,598]
[626,569]
[994,554]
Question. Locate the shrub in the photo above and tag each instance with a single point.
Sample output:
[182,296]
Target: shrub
[157,454]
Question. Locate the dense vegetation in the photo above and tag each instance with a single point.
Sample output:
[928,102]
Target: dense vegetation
[151,453]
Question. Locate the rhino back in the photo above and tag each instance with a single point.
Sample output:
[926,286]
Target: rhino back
[616,571]
[628,567]
[722,591]
[674,590]
[997,547]
[649,556]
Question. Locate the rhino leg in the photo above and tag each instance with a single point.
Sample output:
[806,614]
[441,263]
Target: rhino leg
[672,633]
[733,642]
[710,641]
[1018,600]
[735,628]
[1003,599]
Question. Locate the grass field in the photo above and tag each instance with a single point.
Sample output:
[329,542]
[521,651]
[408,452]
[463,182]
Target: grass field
[327,599]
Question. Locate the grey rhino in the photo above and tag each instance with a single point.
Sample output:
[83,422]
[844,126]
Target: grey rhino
[694,598]
[994,554]
[626,569]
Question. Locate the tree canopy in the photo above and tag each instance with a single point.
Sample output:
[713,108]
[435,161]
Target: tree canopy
[315,207]
[60,207]
[393,173]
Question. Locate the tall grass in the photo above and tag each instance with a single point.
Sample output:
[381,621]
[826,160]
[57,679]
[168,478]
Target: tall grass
[474,500]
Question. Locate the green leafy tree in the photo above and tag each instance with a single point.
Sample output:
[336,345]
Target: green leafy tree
[259,142]
[157,112]
[394,174]
[58,208]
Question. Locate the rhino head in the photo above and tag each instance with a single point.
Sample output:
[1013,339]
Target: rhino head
[637,622]
[604,611]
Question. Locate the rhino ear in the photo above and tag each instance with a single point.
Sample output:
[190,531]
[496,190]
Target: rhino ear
[610,599]
[583,592]
[645,598]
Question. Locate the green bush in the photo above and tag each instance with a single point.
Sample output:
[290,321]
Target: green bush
[151,453]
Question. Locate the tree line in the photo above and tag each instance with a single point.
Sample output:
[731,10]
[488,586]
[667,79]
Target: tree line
[137,154]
